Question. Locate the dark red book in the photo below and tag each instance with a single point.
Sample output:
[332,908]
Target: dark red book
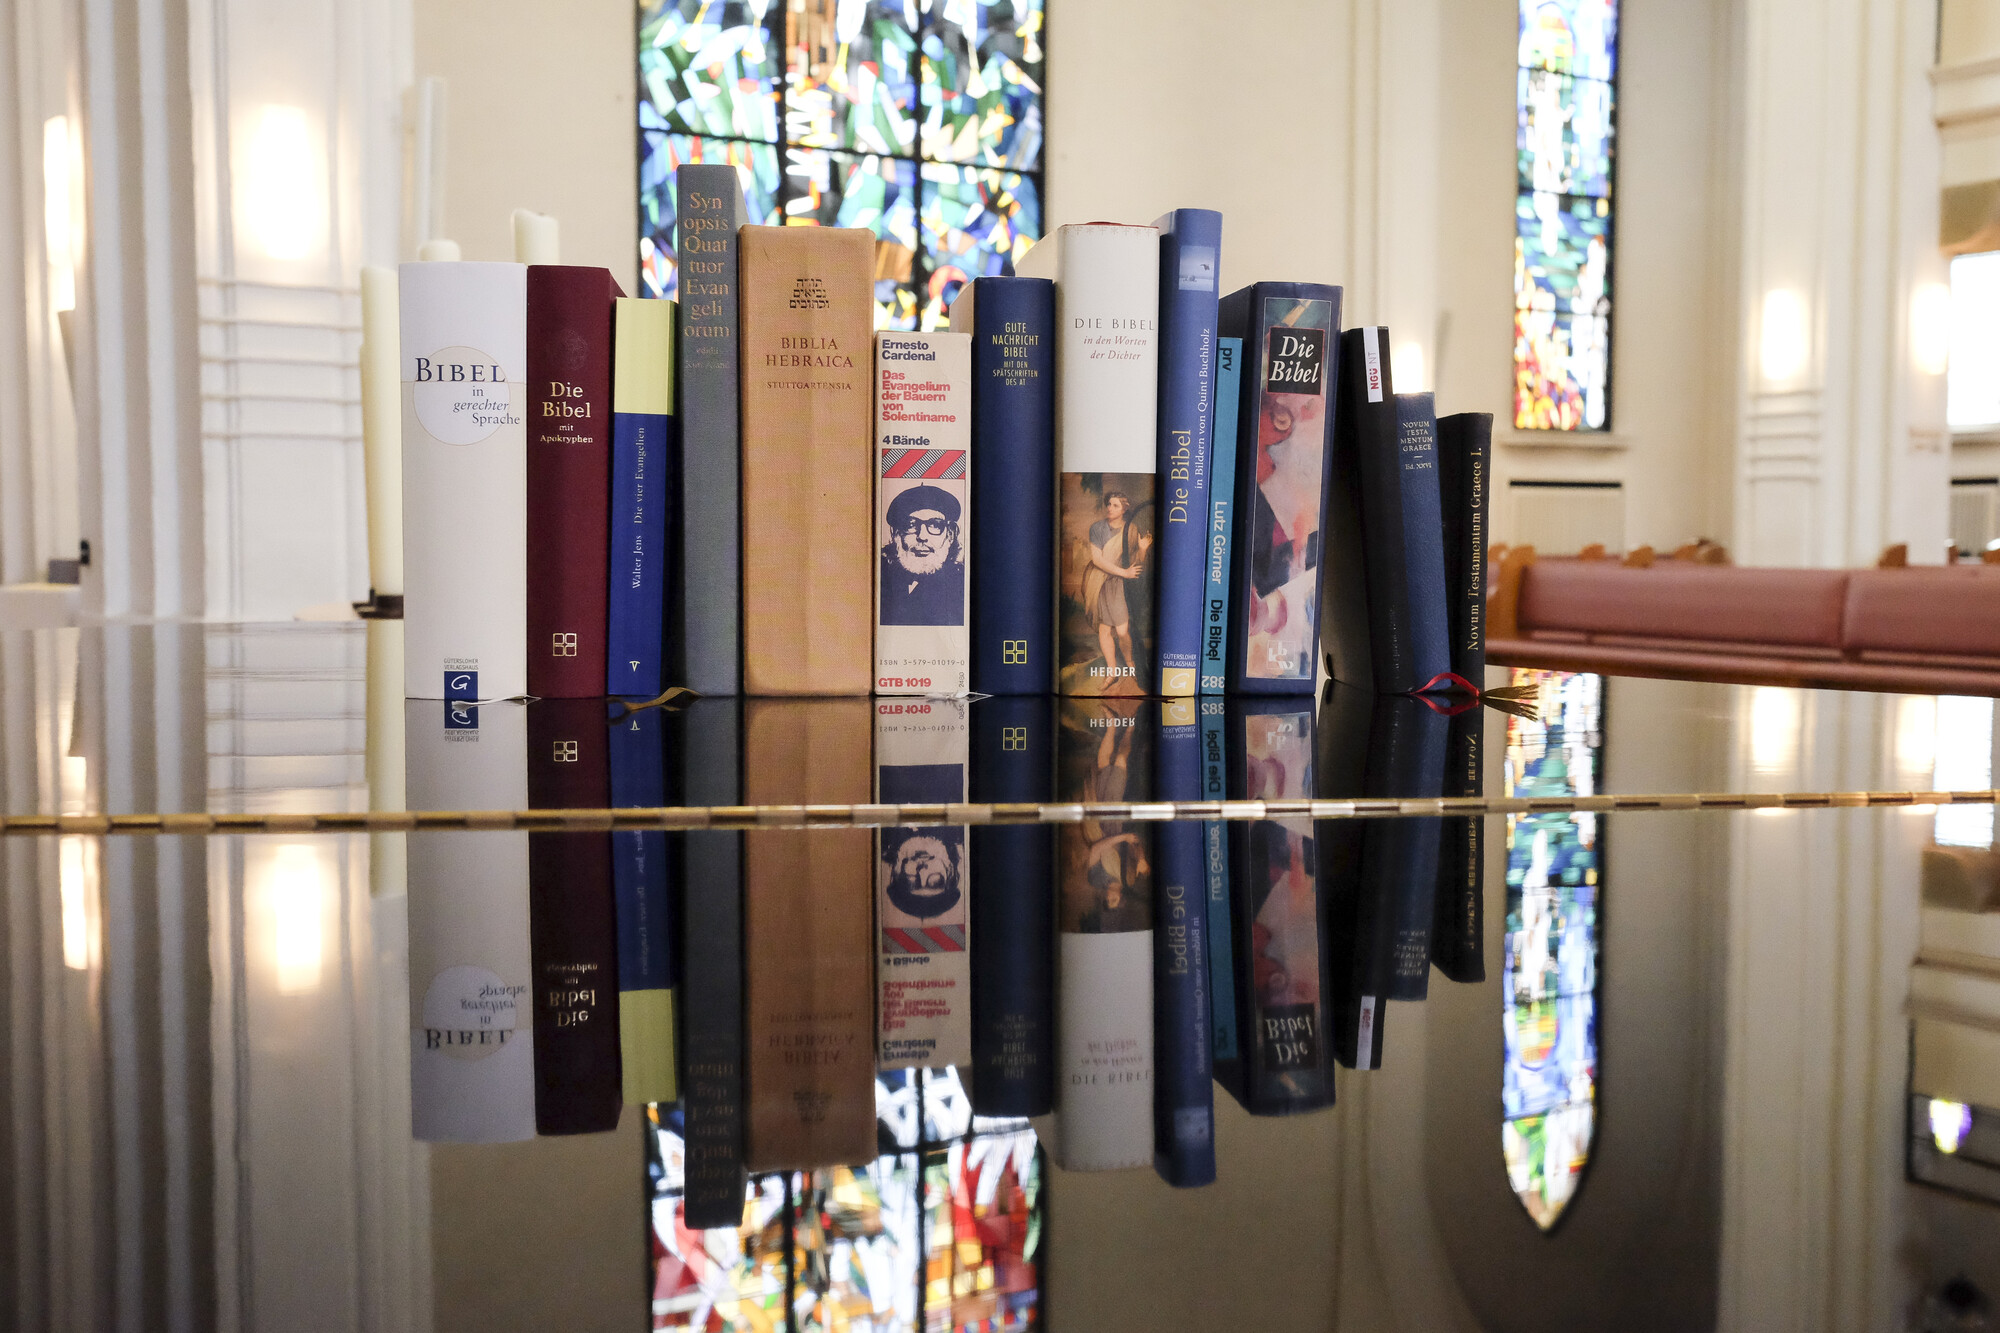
[569,478]
[572,924]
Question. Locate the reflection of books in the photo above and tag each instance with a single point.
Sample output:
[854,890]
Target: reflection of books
[1184,1096]
[643,883]
[923,890]
[712,968]
[1458,931]
[1013,742]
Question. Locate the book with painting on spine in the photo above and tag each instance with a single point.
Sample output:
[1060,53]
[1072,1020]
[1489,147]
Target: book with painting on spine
[569,477]
[644,464]
[1012,323]
[643,885]
[573,924]
[1283,436]
[923,890]
[472,1050]
[923,439]
[705,618]
[1107,279]
[808,489]
[1221,515]
[1183,1059]
[464,341]
[1013,920]
[1104,988]
[1190,269]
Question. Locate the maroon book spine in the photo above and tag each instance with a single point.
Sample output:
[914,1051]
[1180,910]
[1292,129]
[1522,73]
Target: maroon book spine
[569,478]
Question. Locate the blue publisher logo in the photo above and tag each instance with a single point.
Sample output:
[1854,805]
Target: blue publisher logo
[461,685]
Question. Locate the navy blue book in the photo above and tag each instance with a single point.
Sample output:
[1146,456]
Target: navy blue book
[1464,455]
[1215,851]
[1012,322]
[1183,1062]
[1458,928]
[1190,269]
[1280,935]
[645,459]
[1013,910]
[1221,515]
[1399,861]
[1284,433]
[642,887]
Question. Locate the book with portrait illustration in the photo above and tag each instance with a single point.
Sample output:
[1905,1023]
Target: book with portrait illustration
[1283,1065]
[1284,436]
[1107,280]
[923,512]
[923,890]
[1104,946]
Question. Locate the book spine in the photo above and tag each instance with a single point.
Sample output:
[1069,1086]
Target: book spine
[711,739]
[1369,397]
[1012,324]
[923,479]
[1104,1057]
[569,478]
[573,925]
[1184,1087]
[808,494]
[1222,515]
[923,890]
[810,965]
[1107,369]
[1458,934]
[1465,451]
[472,1058]
[1215,865]
[1284,424]
[465,480]
[1349,636]
[706,628]
[1407,587]
[1190,259]
[1013,922]
[1275,881]
[644,463]
[643,887]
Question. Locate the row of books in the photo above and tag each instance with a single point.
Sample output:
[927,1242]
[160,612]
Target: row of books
[1107,479]
[1108,971]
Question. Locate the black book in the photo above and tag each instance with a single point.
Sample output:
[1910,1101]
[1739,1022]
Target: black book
[1458,928]
[572,924]
[1399,860]
[1013,910]
[1464,451]
[1281,996]
[711,1011]
[1364,417]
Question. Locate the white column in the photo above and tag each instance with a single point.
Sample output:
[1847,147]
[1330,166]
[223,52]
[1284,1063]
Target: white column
[1841,444]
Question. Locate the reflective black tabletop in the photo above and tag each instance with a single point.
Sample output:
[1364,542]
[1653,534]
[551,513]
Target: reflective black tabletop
[1099,1069]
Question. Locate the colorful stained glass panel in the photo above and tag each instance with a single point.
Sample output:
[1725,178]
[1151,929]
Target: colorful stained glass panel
[1564,135]
[660,155]
[708,67]
[1549,981]
[853,75]
[982,82]
[1570,37]
[1559,363]
[1562,254]
[878,193]
[976,223]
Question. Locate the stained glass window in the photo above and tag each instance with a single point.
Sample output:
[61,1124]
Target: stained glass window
[1566,131]
[941,1232]
[920,120]
[1554,882]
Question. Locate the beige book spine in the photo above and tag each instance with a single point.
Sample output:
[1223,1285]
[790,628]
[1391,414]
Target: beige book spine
[808,488]
[810,956]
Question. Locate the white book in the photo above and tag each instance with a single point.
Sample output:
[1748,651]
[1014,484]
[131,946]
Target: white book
[472,1043]
[1107,278]
[923,512]
[923,890]
[1104,1050]
[465,480]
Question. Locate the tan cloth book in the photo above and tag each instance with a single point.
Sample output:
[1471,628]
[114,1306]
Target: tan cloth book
[806,308]
[808,939]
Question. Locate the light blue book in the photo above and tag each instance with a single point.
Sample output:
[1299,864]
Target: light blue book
[1221,496]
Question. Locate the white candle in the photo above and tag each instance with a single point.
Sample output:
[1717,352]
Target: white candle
[438,252]
[536,238]
[382,429]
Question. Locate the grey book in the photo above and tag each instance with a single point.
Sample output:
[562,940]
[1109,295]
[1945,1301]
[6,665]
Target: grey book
[706,616]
